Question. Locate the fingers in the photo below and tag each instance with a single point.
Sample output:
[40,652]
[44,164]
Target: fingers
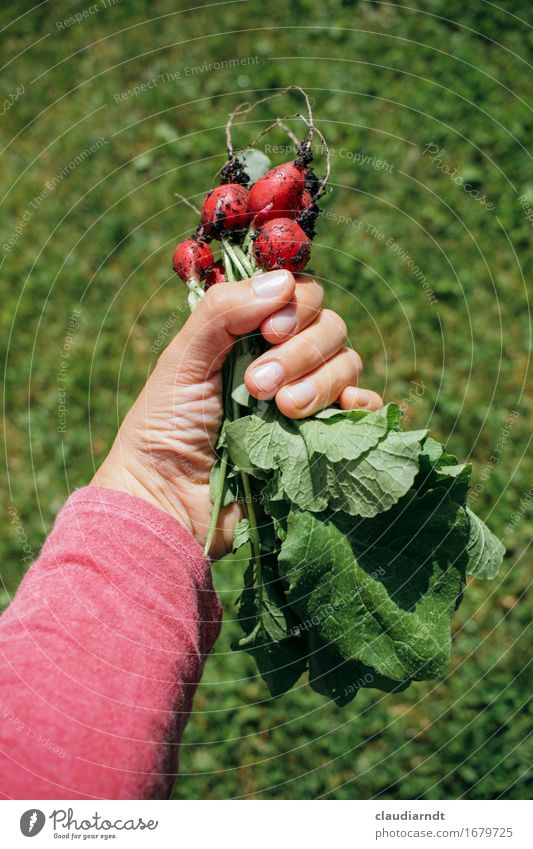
[300,355]
[320,388]
[226,311]
[328,384]
[312,369]
[354,398]
[303,309]
[307,369]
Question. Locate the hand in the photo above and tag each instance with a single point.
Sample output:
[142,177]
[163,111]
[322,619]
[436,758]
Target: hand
[164,449]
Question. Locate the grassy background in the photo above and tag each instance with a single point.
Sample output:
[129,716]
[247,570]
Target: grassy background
[387,81]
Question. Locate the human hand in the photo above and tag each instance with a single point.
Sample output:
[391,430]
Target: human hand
[164,450]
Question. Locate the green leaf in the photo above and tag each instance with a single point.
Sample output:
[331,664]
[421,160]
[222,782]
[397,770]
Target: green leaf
[274,504]
[239,392]
[440,469]
[255,162]
[339,679]
[268,441]
[336,412]
[435,455]
[373,482]
[273,491]
[241,534]
[271,630]
[241,395]
[280,664]
[234,435]
[485,551]
[378,479]
[433,451]
[384,604]
[347,437]
[375,541]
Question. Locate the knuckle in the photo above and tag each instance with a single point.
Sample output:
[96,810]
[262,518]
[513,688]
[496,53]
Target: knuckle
[319,290]
[310,292]
[336,323]
[216,301]
[310,283]
[356,361]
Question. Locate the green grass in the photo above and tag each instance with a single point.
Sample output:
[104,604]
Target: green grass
[386,82]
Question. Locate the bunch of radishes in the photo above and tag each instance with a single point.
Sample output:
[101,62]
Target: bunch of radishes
[266,225]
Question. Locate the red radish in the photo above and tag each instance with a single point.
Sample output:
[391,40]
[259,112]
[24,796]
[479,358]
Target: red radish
[306,200]
[277,193]
[281,243]
[308,213]
[215,275]
[192,259]
[225,208]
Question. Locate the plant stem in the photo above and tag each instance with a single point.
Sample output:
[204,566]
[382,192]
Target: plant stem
[248,496]
[234,267]
[254,533]
[249,252]
[230,250]
[243,259]
[228,268]
[247,240]
[215,512]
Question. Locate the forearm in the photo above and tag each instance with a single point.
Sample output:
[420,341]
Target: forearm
[102,649]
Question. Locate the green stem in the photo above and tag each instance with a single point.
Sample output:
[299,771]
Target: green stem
[247,240]
[231,251]
[254,533]
[233,268]
[249,255]
[243,259]
[248,496]
[215,512]
[228,268]
[217,503]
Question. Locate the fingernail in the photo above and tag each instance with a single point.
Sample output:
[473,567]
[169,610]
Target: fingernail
[301,394]
[271,284]
[360,397]
[283,322]
[268,377]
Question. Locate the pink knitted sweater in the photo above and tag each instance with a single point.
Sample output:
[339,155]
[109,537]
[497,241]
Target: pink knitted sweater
[101,651]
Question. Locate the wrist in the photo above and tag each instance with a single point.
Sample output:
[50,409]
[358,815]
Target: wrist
[138,482]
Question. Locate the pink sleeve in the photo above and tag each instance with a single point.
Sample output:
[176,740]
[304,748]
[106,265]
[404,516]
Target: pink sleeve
[101,651]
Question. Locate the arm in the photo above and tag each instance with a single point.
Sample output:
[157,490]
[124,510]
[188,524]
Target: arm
[105,641]
[101,651]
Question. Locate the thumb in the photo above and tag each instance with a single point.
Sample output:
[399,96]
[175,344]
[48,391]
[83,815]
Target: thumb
[226,311]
